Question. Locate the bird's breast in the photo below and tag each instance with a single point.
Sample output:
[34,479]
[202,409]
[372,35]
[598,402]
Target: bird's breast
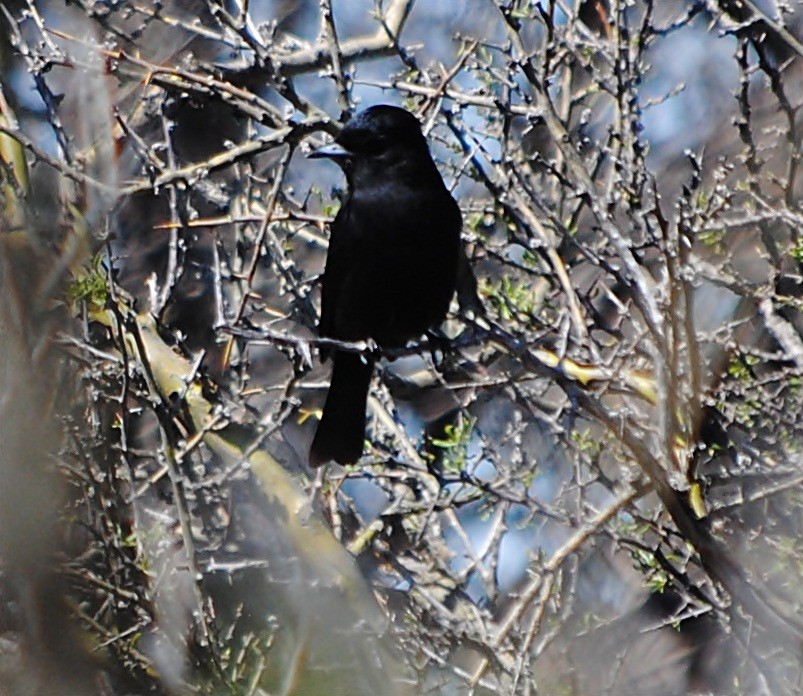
[403,270]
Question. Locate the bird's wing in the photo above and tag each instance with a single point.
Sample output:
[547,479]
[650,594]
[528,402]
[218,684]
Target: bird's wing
[339,259]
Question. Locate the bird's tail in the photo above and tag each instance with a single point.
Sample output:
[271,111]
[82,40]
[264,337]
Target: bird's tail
[341,432]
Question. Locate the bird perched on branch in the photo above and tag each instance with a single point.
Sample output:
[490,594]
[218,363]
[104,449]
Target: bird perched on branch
[392,263]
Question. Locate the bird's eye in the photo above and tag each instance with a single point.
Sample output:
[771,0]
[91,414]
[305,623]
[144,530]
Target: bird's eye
[365,142]
[374,145]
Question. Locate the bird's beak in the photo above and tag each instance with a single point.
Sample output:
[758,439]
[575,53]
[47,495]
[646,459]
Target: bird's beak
[331,151]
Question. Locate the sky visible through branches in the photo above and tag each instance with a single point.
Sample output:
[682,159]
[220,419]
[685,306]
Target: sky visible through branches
[588,483]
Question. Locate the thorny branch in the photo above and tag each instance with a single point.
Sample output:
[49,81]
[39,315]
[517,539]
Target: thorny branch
[615,400]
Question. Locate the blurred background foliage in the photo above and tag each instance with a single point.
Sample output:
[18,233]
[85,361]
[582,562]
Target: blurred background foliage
[591,483]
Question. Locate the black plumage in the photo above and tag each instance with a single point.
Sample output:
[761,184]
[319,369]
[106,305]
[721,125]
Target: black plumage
[392,263]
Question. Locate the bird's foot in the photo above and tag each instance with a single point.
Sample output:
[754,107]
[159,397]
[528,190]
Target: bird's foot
[440,346]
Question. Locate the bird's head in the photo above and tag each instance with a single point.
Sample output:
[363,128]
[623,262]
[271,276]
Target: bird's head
[379,136]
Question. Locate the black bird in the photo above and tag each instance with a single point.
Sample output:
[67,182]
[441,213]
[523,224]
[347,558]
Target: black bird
[392,264]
